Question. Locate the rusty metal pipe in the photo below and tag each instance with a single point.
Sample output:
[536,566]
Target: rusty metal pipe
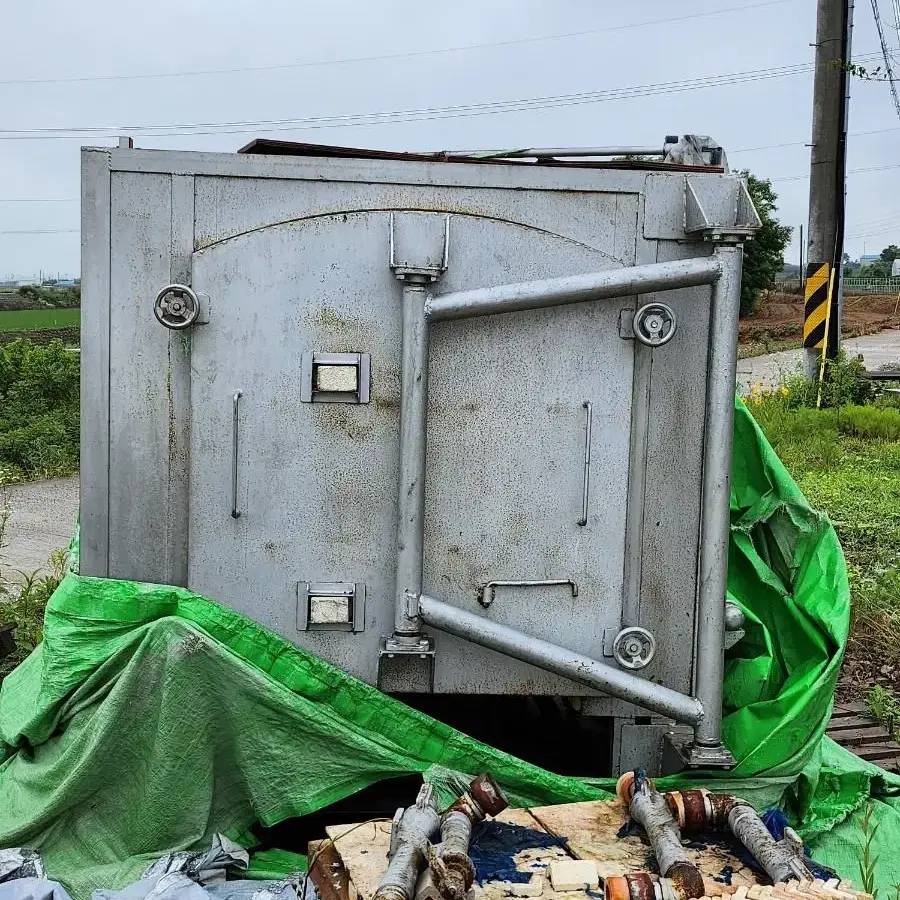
[651,811]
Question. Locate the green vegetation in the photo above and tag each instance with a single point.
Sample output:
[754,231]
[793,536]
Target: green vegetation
[846,459]
[38,319]
[61,297]
[764,255]
[39,411]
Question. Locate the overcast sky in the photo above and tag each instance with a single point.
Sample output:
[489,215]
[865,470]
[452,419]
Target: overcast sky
[627,45]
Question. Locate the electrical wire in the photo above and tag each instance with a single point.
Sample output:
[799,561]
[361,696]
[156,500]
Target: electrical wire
[806,143]
[409,115]
[849,172]
[887,56]
[43,231]
[410,54]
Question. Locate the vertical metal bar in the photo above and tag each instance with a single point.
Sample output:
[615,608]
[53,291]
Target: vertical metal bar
[586,483]
[637,482]
[178,391]
[96,247]
[413,424]
[236,402]
[716,495]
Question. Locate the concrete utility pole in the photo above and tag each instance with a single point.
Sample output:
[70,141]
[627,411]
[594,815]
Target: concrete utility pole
[827,181]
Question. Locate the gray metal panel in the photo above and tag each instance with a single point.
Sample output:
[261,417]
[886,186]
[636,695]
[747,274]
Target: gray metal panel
[674,467]
[141,222]
[178,390]
[95,383]
[515,177]
[230,206]
[317,481]
[664,207]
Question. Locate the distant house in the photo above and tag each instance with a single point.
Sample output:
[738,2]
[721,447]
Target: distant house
[895,267]
[869,258]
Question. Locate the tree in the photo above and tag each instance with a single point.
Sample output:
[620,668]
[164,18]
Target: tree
[882,267]
[764,255]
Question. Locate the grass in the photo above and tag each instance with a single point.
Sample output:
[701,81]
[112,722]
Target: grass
[39,411]
[23,600]
[16,320]
[846,460]
[748,349]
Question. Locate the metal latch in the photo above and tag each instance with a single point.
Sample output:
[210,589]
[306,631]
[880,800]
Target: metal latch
[335,377]
[331,606]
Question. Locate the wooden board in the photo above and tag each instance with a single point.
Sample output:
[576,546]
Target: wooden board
[591,832]
[855,728]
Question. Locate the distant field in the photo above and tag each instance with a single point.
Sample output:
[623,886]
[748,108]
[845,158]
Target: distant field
[38,319]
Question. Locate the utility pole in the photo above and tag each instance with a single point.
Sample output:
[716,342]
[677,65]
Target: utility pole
[802,271]
[827,181]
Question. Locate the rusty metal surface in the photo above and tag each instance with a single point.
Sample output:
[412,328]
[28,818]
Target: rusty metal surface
[269,147]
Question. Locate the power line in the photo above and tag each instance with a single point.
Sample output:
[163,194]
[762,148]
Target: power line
[887,56]
[410,115]
[806,143]
[849,172]
[411,54]
[44,231]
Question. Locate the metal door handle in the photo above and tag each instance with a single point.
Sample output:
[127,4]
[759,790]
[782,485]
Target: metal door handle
[487,591]
[236,400]
[586,483]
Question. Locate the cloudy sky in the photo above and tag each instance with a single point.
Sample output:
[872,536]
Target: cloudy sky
[133,66]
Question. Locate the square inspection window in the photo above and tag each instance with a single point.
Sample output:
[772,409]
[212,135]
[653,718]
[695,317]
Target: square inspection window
[335,377]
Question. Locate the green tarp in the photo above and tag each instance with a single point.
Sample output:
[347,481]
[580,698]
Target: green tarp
[151,718]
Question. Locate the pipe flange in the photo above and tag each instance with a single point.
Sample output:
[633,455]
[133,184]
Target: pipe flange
[654,324]
[176,307]
[634,648]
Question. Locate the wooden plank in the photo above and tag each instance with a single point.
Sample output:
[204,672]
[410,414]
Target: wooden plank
[873,752]
[327,872]
[363,850]
[851,721]
[851,707]
[872,734]
[592,831]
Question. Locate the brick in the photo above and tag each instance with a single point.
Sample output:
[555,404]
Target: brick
[574,874]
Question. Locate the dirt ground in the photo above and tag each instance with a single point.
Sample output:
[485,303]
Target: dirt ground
[779,316]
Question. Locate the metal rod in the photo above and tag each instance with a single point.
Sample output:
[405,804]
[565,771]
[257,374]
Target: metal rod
[716,495]
[553,658]
[486,599]
[545,152]
[573,289]
[413,425]
[586,482]
[235,402]
[637,485]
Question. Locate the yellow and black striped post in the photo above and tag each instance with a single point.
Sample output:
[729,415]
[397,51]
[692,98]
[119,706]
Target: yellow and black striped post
[816,310]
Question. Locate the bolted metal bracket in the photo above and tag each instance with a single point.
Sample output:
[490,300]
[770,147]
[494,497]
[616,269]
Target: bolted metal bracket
[717,215]
[626,324]
[680,753]
[423,269]
[420,646]
[634,648]
[654,324]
